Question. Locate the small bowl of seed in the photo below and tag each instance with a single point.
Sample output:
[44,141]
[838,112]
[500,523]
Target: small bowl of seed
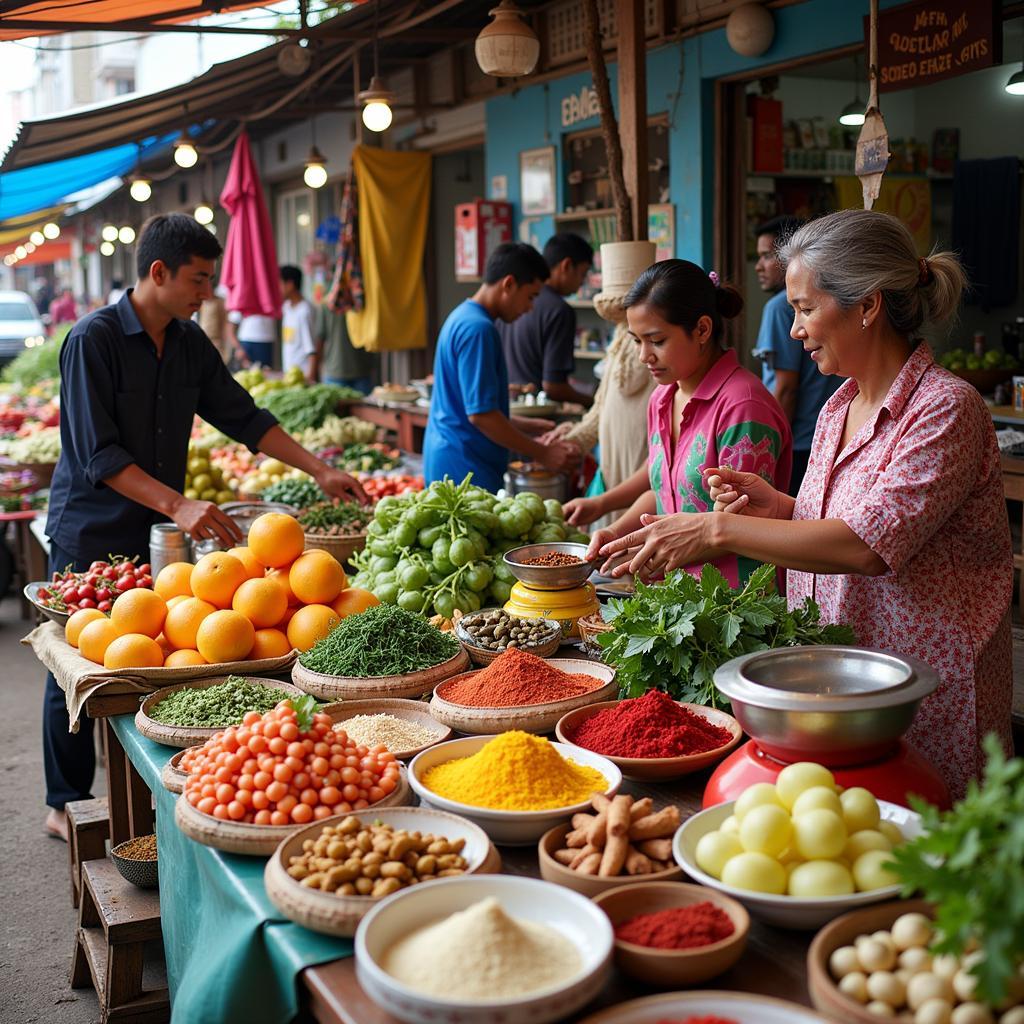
[492,631]
[136,860]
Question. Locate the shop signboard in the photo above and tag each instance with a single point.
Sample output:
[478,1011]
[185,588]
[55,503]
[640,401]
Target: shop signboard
[925,42]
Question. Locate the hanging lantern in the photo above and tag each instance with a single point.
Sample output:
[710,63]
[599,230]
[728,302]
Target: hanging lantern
[750,30]
[315,173]
[376,101]
[140,189]
[185,154]
[203,213]
[507,47]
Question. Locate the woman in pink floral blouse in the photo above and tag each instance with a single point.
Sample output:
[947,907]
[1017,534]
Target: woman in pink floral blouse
[900,527]
[705,411]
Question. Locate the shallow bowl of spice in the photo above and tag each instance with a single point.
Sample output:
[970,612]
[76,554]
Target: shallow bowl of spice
[405,727]
[550,566]
[135,859]
[483,948]
[652,738]
[488,633]
[518,690]
[515,786]
[670,933]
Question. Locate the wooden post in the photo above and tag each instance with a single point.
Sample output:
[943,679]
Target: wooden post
[357,87]
[633,108]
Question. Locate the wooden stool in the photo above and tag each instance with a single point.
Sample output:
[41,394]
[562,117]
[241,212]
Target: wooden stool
[88,832]
[115,920]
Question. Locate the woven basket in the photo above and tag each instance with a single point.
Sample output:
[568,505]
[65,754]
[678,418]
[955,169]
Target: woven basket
[258,840]
[414,684]
[482,656]
[171,775]
[408,710]
[189,736]
[343,548]
[590,627]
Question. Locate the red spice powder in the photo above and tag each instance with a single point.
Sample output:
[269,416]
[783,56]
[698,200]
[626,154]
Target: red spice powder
[699,924]
[514,679]
[698,1020]
[653,725]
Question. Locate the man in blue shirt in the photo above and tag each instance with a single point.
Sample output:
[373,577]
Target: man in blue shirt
[133,376]
[470,430]
[788,372]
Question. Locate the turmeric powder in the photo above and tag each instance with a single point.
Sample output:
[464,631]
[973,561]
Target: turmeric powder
[515,772]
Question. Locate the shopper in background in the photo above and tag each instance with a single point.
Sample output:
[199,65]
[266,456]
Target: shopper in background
[469,429]
[339,360]
[298,349]
[787,371]
[539,345]
[252,338]
[213,319]
[64,309]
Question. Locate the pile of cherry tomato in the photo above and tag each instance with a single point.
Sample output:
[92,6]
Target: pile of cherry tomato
[378,487]
[98,587]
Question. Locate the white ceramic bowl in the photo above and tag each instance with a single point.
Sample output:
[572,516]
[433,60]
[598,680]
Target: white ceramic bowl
[565,911]
[738,1006]
[785,911]
[509,828]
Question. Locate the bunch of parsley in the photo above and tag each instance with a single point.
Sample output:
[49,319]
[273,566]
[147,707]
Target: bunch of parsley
[674,634]
[969,862]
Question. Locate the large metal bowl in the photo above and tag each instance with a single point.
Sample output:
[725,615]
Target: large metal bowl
[834,705]
[31,593]
[550,577]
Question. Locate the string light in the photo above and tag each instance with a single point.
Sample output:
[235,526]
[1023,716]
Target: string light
[107,248]
[37,238]
[203,213]
[126,235]
[140,189]
[109,233]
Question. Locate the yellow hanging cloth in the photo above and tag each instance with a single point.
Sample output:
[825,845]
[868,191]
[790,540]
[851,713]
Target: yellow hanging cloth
[394,203]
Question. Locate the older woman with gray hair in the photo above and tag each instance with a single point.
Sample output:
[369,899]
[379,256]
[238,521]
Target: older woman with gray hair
[900,526]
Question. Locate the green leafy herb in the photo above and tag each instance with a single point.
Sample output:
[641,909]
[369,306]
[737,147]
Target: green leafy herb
[215,707]
[37,364]
[675,634]
[303,407]
[305,708]
[969,862]
[299,493]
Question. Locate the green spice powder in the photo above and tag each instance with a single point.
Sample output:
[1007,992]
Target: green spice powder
[217,706]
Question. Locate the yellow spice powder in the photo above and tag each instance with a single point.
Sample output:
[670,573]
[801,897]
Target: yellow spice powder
[515,772]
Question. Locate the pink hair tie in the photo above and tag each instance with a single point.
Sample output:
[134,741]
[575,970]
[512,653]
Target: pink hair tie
[714,277]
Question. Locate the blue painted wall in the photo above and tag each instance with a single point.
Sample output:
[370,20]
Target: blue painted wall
[680,82]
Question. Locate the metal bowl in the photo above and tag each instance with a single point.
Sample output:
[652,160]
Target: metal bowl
[31,593]
[554,577]
[834,705]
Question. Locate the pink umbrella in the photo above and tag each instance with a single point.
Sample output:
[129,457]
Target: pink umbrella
[249,270]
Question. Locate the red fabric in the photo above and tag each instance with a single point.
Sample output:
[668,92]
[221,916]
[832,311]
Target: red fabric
[249,268]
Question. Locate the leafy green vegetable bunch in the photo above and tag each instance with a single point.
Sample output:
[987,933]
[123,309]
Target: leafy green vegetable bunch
[674,634]
[302,407]
[35,364]
[299,493]
[969,862]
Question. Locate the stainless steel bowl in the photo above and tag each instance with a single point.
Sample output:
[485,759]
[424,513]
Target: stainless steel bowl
[31,592]
[835,705]
[553,577]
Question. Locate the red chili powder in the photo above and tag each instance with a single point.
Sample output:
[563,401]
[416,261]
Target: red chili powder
[516,678]
[698,1020]
[653,725]
[699,924]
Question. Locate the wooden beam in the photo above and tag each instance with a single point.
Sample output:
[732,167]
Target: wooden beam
[633,108]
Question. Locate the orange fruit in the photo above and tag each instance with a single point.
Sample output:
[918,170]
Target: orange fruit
[316,577]
[183,620]
[283,624]
[216,577]
[269,643]
[174,601]
[225,636]
[252,564]
[263,602]
[276,539]
[353,601]
[309,624]
[78,622]
[280,577]
[133,650]
[173,580]
[179,659]
[95,638]
[139,611]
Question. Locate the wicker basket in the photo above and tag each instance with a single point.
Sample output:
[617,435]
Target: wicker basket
[482,656]
[590,627]
[343,548]
[172,775]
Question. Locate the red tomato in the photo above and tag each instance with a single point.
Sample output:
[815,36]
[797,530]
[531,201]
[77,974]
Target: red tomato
[105,605]
[87,590]
[110,573]
[97,566]
[126,583]
[145,568]
[87,602]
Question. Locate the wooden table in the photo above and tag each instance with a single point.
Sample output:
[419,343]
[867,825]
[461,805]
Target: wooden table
[773,964]
[405,419]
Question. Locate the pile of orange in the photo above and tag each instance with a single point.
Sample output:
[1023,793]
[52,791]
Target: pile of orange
[253,602]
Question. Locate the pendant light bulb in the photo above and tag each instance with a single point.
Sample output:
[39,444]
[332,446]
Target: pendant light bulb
[140,189]
[51,230]
[376,101]
[30,247]
[37,238]
[126,235]
[1015,86]
[315,174]
[185,154]
[852,115]
[109,233]
[107,248]
[203,213]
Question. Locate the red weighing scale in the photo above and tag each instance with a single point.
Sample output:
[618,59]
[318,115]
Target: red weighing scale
[844,707]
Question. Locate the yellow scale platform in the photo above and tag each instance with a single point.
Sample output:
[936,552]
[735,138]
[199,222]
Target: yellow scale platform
[566,607]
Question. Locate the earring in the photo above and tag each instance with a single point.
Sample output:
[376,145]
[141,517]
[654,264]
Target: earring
[864,324]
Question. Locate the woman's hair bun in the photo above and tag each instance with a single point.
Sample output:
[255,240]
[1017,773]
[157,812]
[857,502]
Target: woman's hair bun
[728,301]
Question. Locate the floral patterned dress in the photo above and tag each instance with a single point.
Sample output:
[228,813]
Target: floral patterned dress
[921,485]
[731,420]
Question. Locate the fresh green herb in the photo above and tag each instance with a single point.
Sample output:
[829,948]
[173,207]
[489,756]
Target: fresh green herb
[303,407]
[305,708]
[969,862]
[298,493]
[337,518]
[37,364]
[217,706]
[382,641]
[674,634]
[365,458]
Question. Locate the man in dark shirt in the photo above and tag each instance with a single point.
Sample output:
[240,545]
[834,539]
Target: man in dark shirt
[133,376]
[539,345]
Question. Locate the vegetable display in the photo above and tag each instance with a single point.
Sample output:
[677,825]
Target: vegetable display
[334,518]
[204,480]
[41,446]
[365,458]
[381,641]
[298,493]
[434,551]
[497,630]
[336,432]
[217,706]
[98,587]
[674,634]
[378,487]
[301,408]
[34,365]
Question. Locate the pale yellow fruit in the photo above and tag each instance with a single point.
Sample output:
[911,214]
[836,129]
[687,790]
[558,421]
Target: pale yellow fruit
[795,778]
[766,829]
[819,835]
[869,871]
[816,879]
[757,795]
[861,842]
[755,872]
[715,849]
[860,809]
[817,798]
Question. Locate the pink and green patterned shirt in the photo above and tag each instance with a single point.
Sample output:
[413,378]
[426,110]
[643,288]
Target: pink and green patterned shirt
[731,420]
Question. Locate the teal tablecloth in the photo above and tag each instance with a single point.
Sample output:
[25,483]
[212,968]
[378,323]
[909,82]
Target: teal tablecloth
[231,956]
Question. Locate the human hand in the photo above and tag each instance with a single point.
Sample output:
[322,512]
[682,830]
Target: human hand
[336,484]
[555,434]
[582,512]
[535,426]
[742,492]
[203,520]
[598,538]
[559,456]
[662,544]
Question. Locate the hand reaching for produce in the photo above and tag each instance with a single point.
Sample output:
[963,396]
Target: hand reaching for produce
[202,520]
[582,512]
[560,456]
[665,543]
[556,434]
[745,492]
[337,484]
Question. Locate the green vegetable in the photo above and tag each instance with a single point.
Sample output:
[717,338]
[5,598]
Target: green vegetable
[301,408]
[382,641]
[365,458]
[337,518]
[300,493]
[217,706]
[674,634]
[35,365]
[969,862]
